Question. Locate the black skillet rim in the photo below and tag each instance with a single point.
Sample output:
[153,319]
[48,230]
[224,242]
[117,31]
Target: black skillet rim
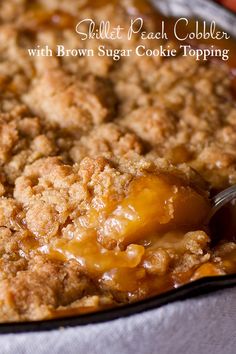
[194,289]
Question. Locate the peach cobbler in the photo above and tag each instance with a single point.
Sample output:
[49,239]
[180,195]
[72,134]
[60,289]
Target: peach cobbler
[106,167]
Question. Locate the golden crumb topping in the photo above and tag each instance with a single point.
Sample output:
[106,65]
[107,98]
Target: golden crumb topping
[106,164]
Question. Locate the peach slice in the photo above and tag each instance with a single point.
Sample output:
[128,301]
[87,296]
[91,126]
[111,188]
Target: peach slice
[154,204]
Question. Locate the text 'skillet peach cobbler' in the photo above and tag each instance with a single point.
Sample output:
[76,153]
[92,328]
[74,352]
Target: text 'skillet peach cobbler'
[106,166]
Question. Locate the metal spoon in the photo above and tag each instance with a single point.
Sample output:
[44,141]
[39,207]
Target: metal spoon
[221,221]
[221,199]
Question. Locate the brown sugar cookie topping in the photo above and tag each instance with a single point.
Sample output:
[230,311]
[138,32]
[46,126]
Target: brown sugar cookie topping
[106,166]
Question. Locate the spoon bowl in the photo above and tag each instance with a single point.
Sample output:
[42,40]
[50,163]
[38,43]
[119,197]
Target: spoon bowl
[222,218]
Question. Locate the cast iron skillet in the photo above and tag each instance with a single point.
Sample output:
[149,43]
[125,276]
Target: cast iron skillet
[190,290]
[227,21]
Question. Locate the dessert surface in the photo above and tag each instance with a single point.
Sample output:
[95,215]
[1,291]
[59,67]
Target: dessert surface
[106,166]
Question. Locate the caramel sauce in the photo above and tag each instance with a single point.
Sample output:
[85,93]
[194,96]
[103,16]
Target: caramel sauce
[153,206]
[154,212]
[94,258]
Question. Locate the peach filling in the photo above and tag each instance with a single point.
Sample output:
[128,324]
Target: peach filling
[96,259]
[154,205]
